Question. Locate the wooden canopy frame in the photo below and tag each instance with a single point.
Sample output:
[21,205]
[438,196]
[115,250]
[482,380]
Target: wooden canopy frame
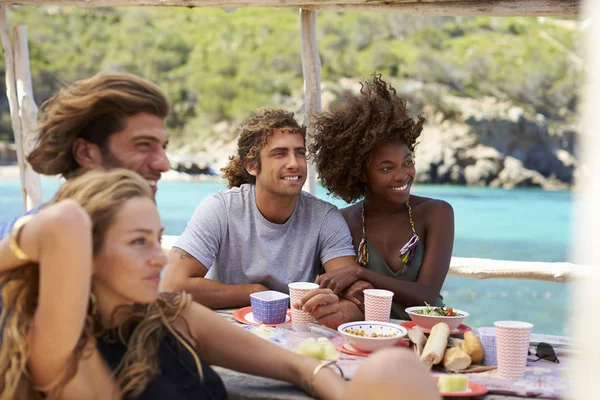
[563,8]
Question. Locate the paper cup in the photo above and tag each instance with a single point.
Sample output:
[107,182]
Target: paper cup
[378,304]
[487,336]
[512,345]
[269,307]
[297,291]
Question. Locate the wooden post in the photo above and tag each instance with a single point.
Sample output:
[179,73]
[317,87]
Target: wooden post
[586,293]
[28,112]
[311,69]
[11,94]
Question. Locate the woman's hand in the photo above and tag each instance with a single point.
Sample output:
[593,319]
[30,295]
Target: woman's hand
[340,279]
[355,294]
[324,306]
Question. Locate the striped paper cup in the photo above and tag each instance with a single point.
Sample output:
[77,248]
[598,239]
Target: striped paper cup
[297,291]
[512,345]
[378,304]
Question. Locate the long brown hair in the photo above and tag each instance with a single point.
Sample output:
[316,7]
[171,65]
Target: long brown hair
[253,137]
[92,109]
[101,194]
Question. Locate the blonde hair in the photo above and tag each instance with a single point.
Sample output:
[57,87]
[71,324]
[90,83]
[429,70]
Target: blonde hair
[92,109]
[101,194]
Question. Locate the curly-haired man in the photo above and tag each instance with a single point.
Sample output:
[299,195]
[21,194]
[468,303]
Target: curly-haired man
[264,232]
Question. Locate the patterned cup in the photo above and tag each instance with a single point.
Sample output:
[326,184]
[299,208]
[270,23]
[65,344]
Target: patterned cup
[378,304]
[297,291]
[269,307]
[487,336]
[512,345]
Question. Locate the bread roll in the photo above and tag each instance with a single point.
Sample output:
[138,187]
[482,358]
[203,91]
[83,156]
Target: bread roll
[433,353]
[472,346]
[455,359]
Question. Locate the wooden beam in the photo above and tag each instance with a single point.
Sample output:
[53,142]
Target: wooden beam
[500,8]
[480,268]
[311,70]
[11,94]
[557,8]
[28,112]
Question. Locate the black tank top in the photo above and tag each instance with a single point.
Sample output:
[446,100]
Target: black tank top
[178,379]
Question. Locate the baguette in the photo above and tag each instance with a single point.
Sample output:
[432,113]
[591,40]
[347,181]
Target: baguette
[433,353]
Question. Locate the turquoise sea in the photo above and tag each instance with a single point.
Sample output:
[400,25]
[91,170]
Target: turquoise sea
[521,224]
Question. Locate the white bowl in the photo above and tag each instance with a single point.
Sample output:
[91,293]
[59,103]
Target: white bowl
[368,343]
[428,321]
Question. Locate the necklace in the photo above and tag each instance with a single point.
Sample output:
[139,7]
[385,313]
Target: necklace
[407,253]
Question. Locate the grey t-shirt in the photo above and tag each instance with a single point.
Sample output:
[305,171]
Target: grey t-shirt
[230,237]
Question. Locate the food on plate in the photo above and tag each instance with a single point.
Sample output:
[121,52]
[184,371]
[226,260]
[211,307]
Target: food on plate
[361,332]
[418,338]
[321,348]
[264,332]
[456,359]
[472,346]
[435,347]
[453,383]
[437,311]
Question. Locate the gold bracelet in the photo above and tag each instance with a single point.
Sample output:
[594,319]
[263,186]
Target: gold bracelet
[13,241]
[319,367]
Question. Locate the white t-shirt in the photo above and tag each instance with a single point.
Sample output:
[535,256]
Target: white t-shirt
[230,237]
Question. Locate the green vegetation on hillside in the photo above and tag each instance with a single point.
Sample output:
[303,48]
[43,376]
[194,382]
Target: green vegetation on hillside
[216,65]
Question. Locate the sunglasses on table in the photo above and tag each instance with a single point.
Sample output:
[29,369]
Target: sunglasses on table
[544,351]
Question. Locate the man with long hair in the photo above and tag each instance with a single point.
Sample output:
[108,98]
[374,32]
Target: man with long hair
[109,120]
[264,231]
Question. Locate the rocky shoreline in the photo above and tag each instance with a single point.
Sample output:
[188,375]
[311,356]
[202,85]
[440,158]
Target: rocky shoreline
[466,141]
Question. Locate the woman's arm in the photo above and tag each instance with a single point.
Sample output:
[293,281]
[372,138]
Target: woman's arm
[59,239]
[224,344]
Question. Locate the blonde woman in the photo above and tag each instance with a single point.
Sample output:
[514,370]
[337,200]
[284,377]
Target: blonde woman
[83,318]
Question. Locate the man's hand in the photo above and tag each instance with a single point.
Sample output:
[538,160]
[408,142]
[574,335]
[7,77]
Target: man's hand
[324,306]
[339,279]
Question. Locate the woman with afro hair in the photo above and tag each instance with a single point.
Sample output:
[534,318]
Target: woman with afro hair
[364,152]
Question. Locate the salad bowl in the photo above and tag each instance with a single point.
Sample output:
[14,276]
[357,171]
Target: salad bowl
[427,316]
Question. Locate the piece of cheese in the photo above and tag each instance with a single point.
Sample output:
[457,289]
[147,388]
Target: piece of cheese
[453,383]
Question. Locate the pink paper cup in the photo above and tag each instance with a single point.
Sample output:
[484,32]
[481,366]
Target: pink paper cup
[378,304]
[297,291]
[512,345]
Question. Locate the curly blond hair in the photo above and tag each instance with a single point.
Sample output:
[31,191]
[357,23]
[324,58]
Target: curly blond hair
[101,194]
[92,109]
[253,138]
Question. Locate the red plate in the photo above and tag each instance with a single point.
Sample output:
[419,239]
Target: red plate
[462,328]
[475,389]
[244,316]
[348,349]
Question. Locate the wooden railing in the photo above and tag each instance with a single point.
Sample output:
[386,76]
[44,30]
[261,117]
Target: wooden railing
[481,268]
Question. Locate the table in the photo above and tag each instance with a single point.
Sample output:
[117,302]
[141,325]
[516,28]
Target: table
[245,386]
